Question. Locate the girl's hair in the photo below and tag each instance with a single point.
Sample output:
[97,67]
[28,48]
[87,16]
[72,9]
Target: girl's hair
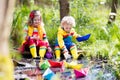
[68,20]
[32,15]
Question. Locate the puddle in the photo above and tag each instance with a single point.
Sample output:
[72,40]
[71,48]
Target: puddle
[29,71]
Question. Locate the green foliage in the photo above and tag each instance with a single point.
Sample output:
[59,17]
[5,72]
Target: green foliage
[91,17]
[20,19]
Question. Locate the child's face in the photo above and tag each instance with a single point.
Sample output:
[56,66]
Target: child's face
[36,21]
[67,27]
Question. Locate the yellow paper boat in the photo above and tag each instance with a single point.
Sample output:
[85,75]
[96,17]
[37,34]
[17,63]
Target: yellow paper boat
[73,65]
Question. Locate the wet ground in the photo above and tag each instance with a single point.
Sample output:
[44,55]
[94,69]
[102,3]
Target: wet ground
[26,69]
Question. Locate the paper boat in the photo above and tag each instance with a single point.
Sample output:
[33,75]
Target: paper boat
[55,64]
[83,38]
[73,65]
[44,65]
[48,74]
[81,73]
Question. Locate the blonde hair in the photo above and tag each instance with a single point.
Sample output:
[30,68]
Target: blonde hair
[68,20]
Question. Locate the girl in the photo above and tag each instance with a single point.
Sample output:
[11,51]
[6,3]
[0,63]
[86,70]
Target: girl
[36,36]
[64,39]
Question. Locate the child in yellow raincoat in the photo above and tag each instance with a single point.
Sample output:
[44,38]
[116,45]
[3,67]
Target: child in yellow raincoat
[64,39]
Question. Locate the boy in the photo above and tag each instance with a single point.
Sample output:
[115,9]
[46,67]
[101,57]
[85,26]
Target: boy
[64,39]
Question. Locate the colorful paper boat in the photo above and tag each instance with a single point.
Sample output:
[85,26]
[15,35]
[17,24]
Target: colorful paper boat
[81,73]
[48,74]
[83,38]
[55,64]
[44,65]
[73,65]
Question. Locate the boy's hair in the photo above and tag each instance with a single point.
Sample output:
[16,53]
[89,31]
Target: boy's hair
[68,20]
[32,15]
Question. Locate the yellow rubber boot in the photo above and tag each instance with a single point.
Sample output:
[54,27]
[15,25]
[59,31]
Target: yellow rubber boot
[73,51]
[42,51]
[57,53]
[33,50]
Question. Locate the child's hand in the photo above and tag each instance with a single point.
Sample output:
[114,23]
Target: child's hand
[64,50]
[67,56]
[49,49]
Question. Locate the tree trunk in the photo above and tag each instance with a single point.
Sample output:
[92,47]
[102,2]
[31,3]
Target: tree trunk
[64,8]
[23,2]
[113,13]
[6,16]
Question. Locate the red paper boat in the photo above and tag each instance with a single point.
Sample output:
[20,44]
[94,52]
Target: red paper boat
[81,72]
[55,64]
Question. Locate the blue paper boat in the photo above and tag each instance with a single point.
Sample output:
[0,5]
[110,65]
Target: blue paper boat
[83,38]
[48,74]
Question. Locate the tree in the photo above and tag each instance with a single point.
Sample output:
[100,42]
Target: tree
[64,8]
[6,12]
[113,13]
[23,2]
